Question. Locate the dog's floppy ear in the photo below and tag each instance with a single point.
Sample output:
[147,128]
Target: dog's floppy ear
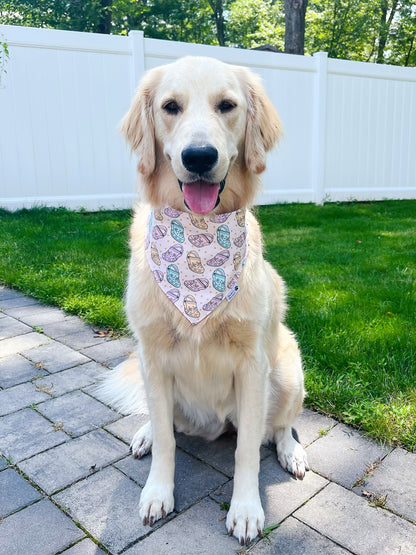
[138,125]
[263,128]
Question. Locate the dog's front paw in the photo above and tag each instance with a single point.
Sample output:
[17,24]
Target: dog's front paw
[245,520]
[292,457]
[141,444]
[156,501]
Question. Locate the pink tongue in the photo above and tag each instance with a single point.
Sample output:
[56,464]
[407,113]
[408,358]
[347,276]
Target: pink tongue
[201,196]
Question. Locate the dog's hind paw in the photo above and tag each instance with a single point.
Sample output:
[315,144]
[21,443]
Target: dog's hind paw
[141,444]
[291,455]
[245,520]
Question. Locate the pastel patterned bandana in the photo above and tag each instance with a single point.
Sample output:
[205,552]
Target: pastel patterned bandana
[197,260]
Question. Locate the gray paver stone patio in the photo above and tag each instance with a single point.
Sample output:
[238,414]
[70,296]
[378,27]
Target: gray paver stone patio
[55,357]
[40,316]
[9,327]
[66,326]
[20,396]
[280,493]
[83,338]
[16,492]
[41,529]
[343,455]
[218,453]
[74,378]
[348,519]
[200,529]
[16,369]
[110,350]
[126,427]
[95,480]
[295,538]
[396,478]
[71,461]
[20,343]
[84,547]
[26,433]
[7,293]
[308,425]
[107,505]
[193,479]
[78,412]
[17,301]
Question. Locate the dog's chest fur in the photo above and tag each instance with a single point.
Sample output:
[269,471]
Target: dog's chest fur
[204,367]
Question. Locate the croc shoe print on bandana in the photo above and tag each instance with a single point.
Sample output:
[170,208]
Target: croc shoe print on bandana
[197,260]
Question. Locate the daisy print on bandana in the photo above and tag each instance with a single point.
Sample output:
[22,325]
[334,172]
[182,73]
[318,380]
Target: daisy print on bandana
[196,260]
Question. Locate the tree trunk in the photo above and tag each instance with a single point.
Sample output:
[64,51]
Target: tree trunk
[218,10]
[104,22]
[295,11]
[406,62]
[385,28]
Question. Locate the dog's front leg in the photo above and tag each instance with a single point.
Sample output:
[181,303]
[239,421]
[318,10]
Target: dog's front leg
[245,518]
[156,500]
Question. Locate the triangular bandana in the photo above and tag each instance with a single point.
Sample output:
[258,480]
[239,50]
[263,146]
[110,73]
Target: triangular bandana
[197,260]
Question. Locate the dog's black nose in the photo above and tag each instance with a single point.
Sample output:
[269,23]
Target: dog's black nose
[199,159]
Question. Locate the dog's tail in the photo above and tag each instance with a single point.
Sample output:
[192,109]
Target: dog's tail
[123,389]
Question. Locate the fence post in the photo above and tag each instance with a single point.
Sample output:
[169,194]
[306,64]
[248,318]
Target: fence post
[137,51]
[319,127]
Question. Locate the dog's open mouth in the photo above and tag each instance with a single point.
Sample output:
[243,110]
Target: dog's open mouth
[201,196]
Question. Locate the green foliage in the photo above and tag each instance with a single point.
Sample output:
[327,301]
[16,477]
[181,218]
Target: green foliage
[180,20]
[4,56]
[375,30]
[253,23]
[75,15]
[353,30]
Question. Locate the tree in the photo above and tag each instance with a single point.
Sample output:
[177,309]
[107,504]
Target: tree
[345,29]
[295,11]
[253,23]
[104,17]
[385,24]
[217,7]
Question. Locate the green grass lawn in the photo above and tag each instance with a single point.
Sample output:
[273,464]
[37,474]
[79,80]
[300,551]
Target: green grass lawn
[350,270]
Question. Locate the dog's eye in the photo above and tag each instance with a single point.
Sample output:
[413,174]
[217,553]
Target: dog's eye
[226,106]
[172,108]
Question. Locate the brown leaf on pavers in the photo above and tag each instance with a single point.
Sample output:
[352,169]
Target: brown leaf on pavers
[374,499]
[372,467]
[100,333]
[108,332]
[45,388]
[58,426]
[369,471]
[40,364]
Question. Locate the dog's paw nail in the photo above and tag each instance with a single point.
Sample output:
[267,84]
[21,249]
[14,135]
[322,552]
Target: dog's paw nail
[152,521]
[163,513]
[242,541]
[144,522]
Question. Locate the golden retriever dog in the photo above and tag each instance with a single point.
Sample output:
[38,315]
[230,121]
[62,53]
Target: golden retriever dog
[201,129]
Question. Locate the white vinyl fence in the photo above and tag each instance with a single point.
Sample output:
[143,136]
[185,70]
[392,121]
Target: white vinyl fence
[350,127]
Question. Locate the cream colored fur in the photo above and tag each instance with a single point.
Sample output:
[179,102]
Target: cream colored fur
[240,364]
